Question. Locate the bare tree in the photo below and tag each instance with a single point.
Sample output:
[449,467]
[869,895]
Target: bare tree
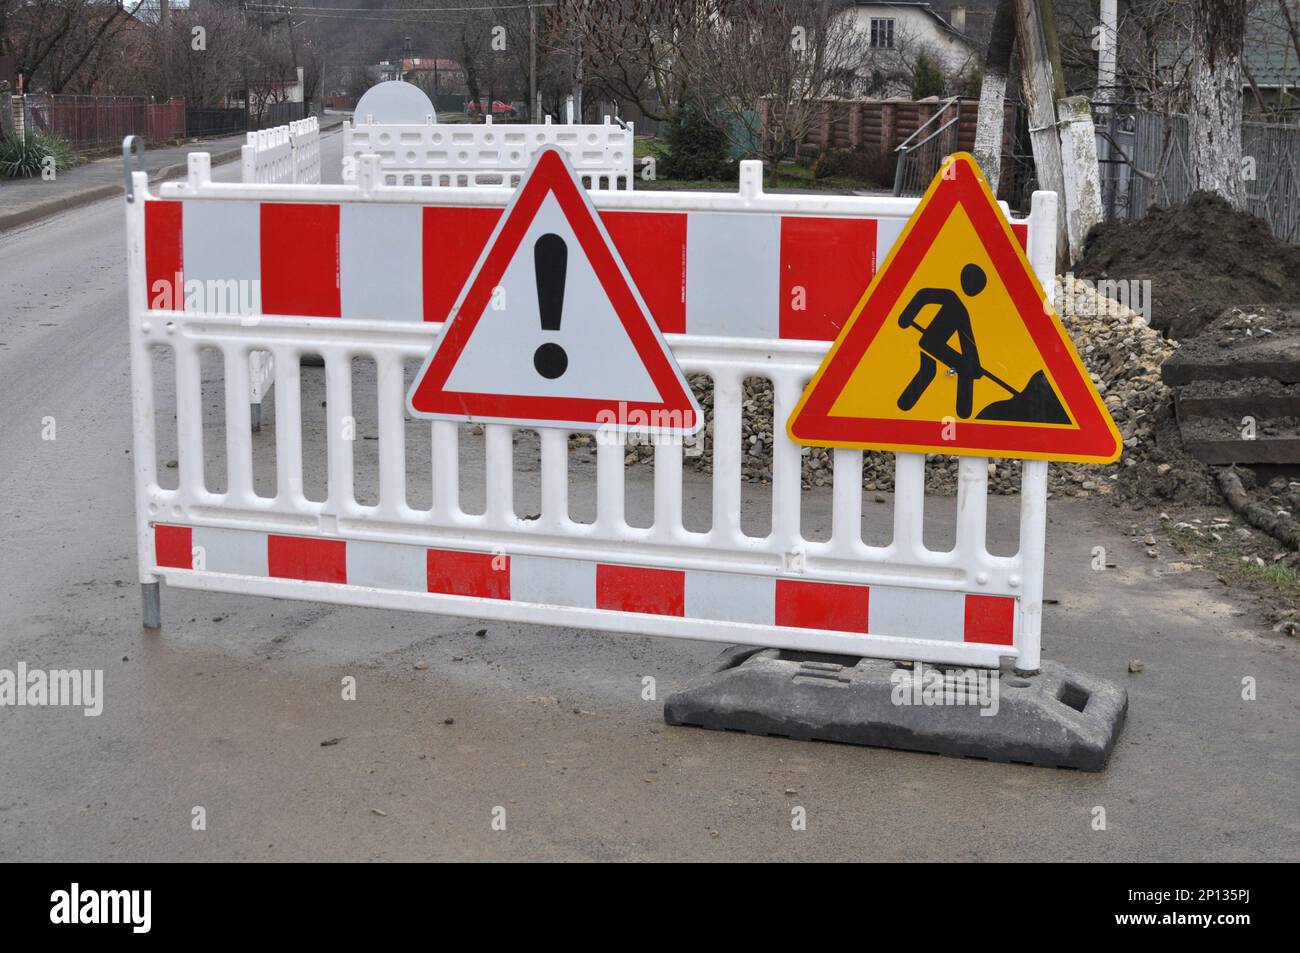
[632,49]
[51,41]
[1218,32]
[763,68]
[202,67]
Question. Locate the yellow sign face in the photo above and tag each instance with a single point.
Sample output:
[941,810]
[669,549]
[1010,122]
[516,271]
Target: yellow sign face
[955,349]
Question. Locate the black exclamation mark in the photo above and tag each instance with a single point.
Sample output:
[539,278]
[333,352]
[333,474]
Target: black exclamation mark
[550,261]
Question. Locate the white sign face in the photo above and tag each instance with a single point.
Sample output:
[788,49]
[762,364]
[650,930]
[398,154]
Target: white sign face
[549,330]
[394,103]
[600,361]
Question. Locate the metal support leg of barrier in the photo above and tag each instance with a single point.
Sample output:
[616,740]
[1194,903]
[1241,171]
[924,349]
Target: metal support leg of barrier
[151,599]
[255,415]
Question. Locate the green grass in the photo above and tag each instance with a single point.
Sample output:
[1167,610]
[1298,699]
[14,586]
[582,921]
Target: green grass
[1226,561]
[643,146]
[1282,579]
[794,175]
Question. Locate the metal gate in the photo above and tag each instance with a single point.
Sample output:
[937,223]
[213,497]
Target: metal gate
[367,272]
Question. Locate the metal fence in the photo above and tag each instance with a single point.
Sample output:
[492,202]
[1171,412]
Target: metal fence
[1146,161]
[276,114]
[920,154]
[212,121]
[101,121]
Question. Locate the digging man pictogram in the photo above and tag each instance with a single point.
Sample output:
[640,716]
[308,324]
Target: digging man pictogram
[1036,403]
[953,318]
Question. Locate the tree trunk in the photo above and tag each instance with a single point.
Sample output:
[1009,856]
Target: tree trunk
[993,91]
[1218,30]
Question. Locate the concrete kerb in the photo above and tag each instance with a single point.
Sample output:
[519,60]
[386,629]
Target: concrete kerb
[86,196]
[91,194]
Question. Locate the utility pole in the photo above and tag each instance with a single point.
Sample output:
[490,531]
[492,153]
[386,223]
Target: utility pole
[580,26]
[165,41]
[1107,39]
[1040,102]
[1107,55]
[534,107]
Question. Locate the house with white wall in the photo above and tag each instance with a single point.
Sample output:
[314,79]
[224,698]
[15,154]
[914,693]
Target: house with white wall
[896,33]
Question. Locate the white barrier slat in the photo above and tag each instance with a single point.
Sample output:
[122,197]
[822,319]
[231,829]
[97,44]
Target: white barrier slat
[499,466]
[727,394]
[611,495]
[555,480]
[787,469]
[446,471]
[846,510]
[288,426]
[391,396]
[1033,547]
[972,509]
[340,424]
[909,506]
[239,449]
[189,421]
[668,489]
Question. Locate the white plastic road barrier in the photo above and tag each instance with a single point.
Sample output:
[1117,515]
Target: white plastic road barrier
[282,154]
[369,271]
[304,138]
[470,154]
[267,157]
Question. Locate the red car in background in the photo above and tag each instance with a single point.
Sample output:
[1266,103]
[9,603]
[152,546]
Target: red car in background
[477,108]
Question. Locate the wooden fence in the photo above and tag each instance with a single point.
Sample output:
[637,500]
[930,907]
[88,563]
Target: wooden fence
[880,126]
[103,121]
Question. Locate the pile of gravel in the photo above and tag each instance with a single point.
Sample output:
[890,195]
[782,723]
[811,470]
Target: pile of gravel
[1121,352]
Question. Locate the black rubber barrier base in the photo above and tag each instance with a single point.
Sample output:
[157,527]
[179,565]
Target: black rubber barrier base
[1057,718]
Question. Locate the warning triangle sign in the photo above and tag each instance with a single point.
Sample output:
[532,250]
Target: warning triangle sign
[954,347]
[549,330]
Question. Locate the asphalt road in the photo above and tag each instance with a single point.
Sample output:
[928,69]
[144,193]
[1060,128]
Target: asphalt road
[228,707]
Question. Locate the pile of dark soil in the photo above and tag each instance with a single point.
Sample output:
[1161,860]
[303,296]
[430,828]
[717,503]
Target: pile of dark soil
[1200,257]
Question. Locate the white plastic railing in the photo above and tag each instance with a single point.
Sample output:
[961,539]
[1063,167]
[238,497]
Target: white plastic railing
[468,154]
[283,154]
[783,551]
[268,157]
[304,137]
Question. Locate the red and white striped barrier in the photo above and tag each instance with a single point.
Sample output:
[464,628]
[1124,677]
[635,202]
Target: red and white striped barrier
[535,583]
[371,271]
[725,268]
